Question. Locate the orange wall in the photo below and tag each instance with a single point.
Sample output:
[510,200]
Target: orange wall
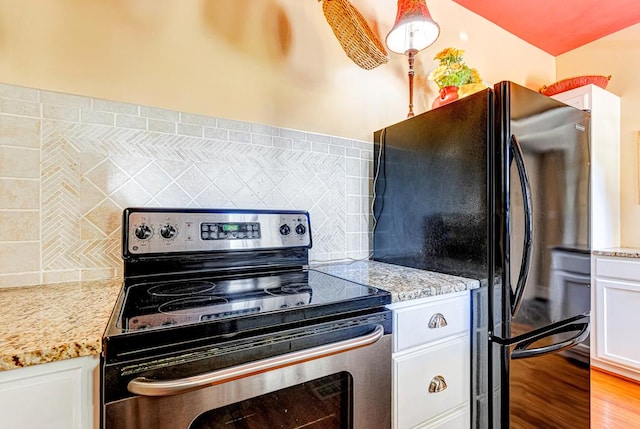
[617,55]
[270,61]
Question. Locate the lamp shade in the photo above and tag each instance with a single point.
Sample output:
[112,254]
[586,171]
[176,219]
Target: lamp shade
[414,28]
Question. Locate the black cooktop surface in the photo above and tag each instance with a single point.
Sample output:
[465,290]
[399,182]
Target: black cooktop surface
[166,303]
[160,312]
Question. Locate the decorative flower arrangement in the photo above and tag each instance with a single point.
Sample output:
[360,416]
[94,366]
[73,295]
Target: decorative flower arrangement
[452,70]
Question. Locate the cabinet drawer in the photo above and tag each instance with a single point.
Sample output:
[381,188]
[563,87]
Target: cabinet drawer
[414,372]
[433,320]
[457,419]
[618,268]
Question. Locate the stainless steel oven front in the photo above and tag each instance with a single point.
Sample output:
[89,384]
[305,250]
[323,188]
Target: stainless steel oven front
[220,323]
[343,384]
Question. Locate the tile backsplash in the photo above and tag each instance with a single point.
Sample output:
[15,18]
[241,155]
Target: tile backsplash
[70,164]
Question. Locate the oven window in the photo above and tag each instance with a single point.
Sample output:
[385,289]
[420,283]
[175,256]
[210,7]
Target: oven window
[323,403]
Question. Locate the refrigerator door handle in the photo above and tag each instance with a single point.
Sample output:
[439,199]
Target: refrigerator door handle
[516,297]
[521,350]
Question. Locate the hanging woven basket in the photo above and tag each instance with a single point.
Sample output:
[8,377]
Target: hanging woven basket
[352,31]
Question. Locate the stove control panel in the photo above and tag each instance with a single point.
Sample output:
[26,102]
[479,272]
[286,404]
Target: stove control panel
[150,231]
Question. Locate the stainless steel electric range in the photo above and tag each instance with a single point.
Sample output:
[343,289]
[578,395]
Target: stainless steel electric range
[220,323]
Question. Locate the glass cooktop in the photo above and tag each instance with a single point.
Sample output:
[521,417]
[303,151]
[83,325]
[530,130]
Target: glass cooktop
[182,302]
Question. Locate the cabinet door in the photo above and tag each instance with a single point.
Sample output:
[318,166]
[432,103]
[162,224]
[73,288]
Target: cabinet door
[56,395]
[617,321]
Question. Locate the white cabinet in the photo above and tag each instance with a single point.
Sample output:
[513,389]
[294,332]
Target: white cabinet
[57,395]
[616,347]
[431,362]
[605,160]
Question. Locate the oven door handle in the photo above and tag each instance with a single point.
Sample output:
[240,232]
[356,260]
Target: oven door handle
[149,387]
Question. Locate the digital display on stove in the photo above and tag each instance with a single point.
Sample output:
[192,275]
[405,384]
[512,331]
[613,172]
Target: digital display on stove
[230,231]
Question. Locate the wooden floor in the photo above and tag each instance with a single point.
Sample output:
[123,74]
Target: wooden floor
[549,392]
[615,402]
[558,386]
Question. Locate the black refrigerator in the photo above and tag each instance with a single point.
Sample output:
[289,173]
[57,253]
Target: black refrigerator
[495,186]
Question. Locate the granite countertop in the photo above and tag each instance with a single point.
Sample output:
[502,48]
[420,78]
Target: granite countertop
[403,283]
[621,252]
[53,322]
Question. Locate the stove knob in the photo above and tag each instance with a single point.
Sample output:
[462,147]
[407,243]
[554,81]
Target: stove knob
[143,232]
[300,229]
[168,231]
[284,229]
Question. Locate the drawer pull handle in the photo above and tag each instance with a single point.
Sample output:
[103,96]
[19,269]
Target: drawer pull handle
[437,384]
[437,321]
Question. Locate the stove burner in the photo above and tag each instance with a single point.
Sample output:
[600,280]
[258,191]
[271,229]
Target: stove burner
[182,288]
[180,304]
[290,289]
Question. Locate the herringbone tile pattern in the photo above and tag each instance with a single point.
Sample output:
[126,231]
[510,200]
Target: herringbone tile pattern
[91,172]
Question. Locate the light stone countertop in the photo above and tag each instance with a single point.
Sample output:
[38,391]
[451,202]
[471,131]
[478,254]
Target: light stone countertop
[53,322]
[47,323]
[620,252]
[403,283]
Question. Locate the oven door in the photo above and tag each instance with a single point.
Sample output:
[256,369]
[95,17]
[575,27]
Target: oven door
[345,384]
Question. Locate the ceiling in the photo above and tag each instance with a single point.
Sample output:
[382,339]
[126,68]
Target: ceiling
[558,26]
